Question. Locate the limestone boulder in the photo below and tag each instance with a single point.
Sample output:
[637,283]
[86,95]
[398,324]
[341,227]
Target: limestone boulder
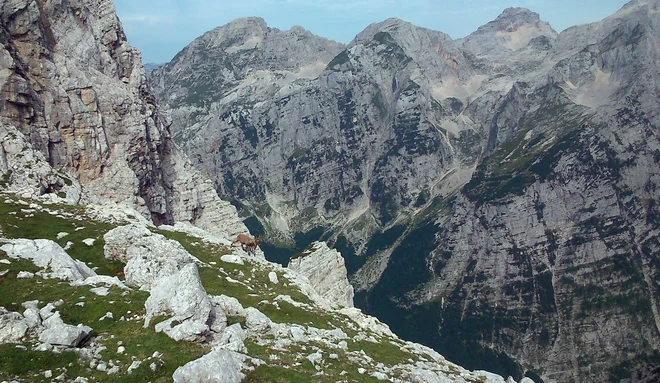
[257,322]
[182,296]
[65,335]
[217,366]
[13,327]
[148,256]
[50,256]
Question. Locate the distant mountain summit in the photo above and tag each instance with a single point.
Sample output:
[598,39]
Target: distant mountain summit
[511,31]
[244,49]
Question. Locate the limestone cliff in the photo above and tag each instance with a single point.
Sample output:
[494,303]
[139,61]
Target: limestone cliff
[76,90]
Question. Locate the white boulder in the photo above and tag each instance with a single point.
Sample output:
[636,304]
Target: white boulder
[13,327]
[230,305]
[217,366]
[65,335]
[257,322]
[233,338]
[48,254]
[148,256]
[183,296]
[232,258]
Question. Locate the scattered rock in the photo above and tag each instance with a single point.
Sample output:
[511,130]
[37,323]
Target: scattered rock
[233,338]
[121,349]
[379,375]
[217,319]
[48,254]
[3,273]
[62,234]
[315,358]
[489,376]
[191,331]
[188,228]
[231,258]
[24,275]
[48,374]
[148,256]
[43,347]
[133,366]
[31,314]
[272,276]
[89,241]
[100,291]
[101,279]
[298,334]
[230,305]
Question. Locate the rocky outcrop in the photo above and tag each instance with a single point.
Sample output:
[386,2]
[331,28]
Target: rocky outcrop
[325,269]
[182,296]
[50,256]
[76,90]
[148,256]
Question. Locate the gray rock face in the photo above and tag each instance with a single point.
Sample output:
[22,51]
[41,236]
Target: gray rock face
[216,366]
[75,89]
[509,176]
[326,271]
[330,146]
[50,256]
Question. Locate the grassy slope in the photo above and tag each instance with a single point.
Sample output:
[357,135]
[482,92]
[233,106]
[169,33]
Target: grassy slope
[21,221]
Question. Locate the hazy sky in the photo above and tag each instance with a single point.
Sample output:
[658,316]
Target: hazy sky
[161,28]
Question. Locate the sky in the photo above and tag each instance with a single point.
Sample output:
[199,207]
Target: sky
[161,28]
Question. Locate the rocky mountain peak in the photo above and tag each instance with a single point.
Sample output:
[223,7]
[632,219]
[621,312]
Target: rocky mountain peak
[518,15]
[512,30]
[400,31]
[236,31]
[247,53]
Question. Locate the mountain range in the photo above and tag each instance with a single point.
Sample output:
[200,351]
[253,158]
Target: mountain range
[494,197]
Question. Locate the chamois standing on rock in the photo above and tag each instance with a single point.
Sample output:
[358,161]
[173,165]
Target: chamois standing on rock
[248,243]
